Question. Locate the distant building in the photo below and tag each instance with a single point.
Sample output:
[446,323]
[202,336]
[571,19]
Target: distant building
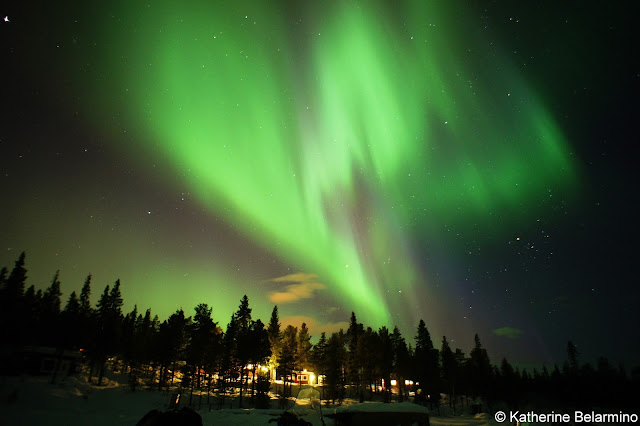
[43,360]
[304,377]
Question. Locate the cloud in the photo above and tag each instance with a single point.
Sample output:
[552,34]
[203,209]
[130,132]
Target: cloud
[508,332]
[295,278]
[315,328]
[304,287]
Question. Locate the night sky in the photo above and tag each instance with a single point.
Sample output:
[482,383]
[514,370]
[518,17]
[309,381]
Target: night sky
[468,163]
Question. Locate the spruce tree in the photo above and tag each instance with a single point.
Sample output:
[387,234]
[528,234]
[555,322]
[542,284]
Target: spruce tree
[71,322]
[401,362]
[32,315]
[336,363]
[449,371]
[354,363]
[50,313]
[51,297]
[273,329]
[12,304]
[115,300]
[14,285]
[385,360]
[243,343]
[85,298]
[288,354]
[260,349]
[319,354]
[480,370]
[426,362]
[127,347]
[303,350]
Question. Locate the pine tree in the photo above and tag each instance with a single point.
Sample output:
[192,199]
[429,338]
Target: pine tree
[50,311]
[367,354]
[12,304]
[172,341]
[87,322]
[110,323]
[14,285]
[385,360]
[401,362]
[128,339]
[73,305]
[273,329]
[319,355]
[426,361]
[260,350]
[336,364]
[303,351]
[103,305]
[288,353]
[206,337]
[354,363]
[449,371]
[243,315]
[32,317]
[204,347]
[85,298]
[51,297]
[71,322]
[480,369]
[115,300]
[243,343]
[507,384]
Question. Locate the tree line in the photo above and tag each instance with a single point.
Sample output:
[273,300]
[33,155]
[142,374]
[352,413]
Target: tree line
[194,352]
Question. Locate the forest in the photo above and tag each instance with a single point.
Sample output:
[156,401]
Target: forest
[192,351]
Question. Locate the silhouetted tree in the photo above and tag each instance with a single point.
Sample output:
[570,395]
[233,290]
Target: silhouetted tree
[32,305]
[14,285]
[50,313]
[385,360]
[319,357]
[303,350]
[507,384]
[273,329]
[110,321]
[204,347]
[243,343]
[127,347]
[71,322]
[426,363]
[401,362]
[479,370]
[336,366]
[260,348]
[354,363]
[449,371]
[367,354]
[12,303]
[171,344]
[288,355]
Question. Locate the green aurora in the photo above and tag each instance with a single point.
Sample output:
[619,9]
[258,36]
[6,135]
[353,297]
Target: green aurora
[334,139]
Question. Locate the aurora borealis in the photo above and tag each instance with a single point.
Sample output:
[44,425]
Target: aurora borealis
[401,161]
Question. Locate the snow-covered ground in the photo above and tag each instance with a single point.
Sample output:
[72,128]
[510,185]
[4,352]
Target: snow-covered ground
[34,401]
